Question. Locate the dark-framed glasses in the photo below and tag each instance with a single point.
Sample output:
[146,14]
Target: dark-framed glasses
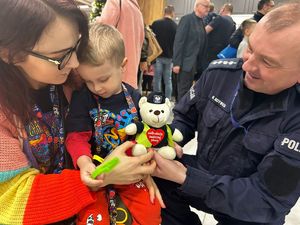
[60,62]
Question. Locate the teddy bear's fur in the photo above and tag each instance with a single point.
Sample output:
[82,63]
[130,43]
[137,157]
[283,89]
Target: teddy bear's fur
[153,131]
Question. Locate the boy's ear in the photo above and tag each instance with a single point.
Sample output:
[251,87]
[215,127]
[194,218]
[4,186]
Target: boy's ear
[4,55]
[125,60]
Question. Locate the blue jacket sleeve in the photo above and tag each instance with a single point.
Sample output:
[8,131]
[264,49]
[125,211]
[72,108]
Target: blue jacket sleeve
[263,197]
[187,111]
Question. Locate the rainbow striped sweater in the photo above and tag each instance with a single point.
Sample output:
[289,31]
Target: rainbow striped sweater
[28,197]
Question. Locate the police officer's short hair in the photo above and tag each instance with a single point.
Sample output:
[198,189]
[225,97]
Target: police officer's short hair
[285,16]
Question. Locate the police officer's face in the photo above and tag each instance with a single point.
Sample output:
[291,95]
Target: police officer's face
[271,61]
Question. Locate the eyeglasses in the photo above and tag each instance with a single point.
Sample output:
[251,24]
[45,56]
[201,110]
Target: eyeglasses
[61,62]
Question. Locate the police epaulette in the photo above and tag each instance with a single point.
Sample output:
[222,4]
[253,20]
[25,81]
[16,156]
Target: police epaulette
[234,64]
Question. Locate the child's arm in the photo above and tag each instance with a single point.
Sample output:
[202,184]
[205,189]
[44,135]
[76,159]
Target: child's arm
[77,144]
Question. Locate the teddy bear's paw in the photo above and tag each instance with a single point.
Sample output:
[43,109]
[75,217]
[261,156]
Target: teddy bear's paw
[139,149]
[167,152]
[131,129]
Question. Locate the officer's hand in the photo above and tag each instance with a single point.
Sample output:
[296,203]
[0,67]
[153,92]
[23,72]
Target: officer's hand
[176,69]
[169,169]
[178,150]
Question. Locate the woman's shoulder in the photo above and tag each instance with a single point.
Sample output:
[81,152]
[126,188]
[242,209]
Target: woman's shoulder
[6,124]
[12,157]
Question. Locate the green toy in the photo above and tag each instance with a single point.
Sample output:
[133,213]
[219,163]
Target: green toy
[106,167]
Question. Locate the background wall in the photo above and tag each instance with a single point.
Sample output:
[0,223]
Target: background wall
[183,7]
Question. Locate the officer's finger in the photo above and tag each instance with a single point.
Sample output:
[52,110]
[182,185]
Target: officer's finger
[148,168]
[146,157]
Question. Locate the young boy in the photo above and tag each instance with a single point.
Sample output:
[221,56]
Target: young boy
[247,28]
[99,112]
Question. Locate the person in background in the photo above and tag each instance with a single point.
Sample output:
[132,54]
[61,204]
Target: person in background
[263,7]
[211,14]
[147,85]
[39,43]
[247,117]
[219,31]
[126,16]
[247,27]
[165,30]
[190,47]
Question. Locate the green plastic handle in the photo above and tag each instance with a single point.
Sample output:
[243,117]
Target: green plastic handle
[106,167]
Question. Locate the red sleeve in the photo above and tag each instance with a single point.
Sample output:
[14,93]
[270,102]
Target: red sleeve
[54,197]
[77,144]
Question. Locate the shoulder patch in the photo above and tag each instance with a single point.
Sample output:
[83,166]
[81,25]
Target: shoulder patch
[289,145]
[234,64]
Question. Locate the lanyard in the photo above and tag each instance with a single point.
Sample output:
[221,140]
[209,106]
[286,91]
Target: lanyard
[110,191]
[235,122]
[46,136]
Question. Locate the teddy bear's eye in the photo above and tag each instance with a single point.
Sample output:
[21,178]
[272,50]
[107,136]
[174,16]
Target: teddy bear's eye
[162,111]
[150,110]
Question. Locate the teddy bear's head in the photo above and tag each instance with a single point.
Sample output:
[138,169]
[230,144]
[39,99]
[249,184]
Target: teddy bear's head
[155,109]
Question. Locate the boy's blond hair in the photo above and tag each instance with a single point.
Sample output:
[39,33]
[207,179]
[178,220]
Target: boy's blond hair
[105,44]
[246,24]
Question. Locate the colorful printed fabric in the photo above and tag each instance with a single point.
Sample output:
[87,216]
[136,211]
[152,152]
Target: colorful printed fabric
[45,137]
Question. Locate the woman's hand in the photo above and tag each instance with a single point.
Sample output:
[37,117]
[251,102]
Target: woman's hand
[86,168]
[169,169]
[153,191]
[130,169]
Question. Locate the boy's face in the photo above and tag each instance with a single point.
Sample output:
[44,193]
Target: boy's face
[104,80]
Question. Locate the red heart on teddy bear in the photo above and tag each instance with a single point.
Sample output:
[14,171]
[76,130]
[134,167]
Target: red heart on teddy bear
[155,136]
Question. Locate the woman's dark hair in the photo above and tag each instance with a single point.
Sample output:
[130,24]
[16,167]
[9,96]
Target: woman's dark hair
[22,23]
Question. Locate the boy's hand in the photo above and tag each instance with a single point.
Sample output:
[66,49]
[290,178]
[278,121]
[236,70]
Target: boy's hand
[86,168]
[153,190]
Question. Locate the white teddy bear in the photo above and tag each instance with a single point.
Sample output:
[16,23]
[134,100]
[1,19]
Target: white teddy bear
[154,131]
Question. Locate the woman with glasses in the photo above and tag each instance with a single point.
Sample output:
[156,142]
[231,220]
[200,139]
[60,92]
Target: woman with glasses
[39,43]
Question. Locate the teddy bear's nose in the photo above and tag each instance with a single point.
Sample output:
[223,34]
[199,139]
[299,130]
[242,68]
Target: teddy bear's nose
[156,112]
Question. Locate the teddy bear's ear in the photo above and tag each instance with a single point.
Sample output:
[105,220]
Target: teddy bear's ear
[142,101]
[167,102]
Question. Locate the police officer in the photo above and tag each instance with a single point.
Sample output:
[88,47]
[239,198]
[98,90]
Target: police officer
[247,115]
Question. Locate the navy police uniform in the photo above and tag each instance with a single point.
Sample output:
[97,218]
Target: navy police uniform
[247,166]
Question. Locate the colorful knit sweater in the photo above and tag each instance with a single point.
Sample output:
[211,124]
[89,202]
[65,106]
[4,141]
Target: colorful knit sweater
[28,197]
